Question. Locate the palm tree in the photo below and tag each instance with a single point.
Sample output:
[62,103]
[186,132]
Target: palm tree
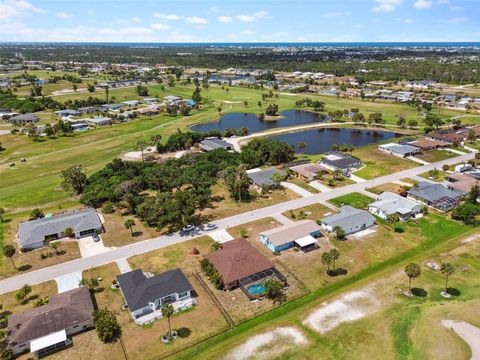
[2,212]
[301,145]
[168,311]
[129,224]
[141,145]
[327,260]
[412,270]
[9,251]
[335,255]
[447,269]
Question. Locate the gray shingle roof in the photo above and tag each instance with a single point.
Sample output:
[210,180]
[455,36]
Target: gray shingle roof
[348,217]
[30,232]
[264,177]
[432,192]
[139,290]
[214,143]
[391,203]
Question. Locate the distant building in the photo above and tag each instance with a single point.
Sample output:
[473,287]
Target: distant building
[24,119]
[47,328]
[399,150]
[335,160]
[99,121]
[351,220]
[35,234]
[210,144]
[389,203]
[172,99]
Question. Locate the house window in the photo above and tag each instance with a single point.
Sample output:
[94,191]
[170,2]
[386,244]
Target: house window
[182,295]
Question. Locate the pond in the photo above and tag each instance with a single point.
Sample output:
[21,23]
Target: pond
[254,124]
[321,140]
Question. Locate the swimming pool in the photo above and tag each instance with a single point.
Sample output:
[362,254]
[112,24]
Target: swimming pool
[257,289]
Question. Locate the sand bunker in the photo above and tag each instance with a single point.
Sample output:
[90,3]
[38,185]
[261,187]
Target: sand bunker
[268,344]
[350,307]
[469,333]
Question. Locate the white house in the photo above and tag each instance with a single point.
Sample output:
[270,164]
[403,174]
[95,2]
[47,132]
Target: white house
[389,203]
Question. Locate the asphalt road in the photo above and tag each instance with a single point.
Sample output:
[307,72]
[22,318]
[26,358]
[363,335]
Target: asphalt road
[15,282]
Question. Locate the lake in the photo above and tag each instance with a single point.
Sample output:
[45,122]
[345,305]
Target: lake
[321,140]
[251,121]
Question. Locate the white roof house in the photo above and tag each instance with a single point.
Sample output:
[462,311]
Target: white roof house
[389,203]
[399,150]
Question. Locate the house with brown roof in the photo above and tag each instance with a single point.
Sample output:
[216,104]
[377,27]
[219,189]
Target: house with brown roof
[462,182]
[307,172]
[47,328]
[428,144]
[240,263]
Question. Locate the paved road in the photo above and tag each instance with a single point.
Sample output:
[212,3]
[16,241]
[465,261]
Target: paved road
[51,272]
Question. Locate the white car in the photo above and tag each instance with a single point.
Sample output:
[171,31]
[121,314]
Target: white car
[209,226]
[188,228]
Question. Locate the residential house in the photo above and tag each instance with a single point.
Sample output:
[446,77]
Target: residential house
[149,110]
[48,328]
[389,203]
[35,234]
[210,144]
[449,136]
[67,113]
[301,234]
[98,121]
[437,196]
[263,178]
[351,220]
[462,183]
[428,144]
[307,172]
[172,99]
[399,150]
[24,119]
[239,263]
[131,102]
[335,160]
[145,293]
[150,101]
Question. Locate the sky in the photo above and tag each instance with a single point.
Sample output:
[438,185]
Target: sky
[239,21]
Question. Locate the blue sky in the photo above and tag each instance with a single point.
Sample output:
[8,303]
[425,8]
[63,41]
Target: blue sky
[240,21]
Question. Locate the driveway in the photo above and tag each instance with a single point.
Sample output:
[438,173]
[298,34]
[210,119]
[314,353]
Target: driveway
[417,160]
[296,189]
[220,236]
[357,179]
[69,281]
[88,247]
[123,265]
[319,186]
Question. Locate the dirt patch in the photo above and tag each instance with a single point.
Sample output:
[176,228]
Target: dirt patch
[349,307]
[269,344]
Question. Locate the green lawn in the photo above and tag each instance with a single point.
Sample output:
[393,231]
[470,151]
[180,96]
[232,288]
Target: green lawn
[436,155]
[356,200]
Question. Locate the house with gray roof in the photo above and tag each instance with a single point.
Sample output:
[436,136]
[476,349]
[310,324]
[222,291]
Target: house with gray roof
[210,144]
[145,293]
[48,328]
[262,178]
[389,203]
[351,220]
[437,196]
[37,233]
[399,149]
[335,160]
[24,119]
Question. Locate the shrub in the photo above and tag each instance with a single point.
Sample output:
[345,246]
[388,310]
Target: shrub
[106,324]
[107,208]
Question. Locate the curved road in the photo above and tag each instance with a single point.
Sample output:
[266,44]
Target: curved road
[15,282]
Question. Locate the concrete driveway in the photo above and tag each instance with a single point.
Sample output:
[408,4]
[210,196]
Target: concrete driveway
[69,281]
[88,247]
[220,236]
[297,189]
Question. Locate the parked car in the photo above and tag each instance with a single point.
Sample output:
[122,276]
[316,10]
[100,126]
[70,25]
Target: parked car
[209,226]
[188,228]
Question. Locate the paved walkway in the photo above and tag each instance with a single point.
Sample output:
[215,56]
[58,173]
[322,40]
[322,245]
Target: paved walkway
[319,186]
[296,189]
[123,265]
[369,194]
[420,179]
[469,333]
[282,219]
[455,151]
[470,148]
[357,179]
[221,236]
[141,247]
[69,281]
[417,160]
[402,183]
[329,205]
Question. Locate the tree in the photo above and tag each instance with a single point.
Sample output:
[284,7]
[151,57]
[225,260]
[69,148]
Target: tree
[412,123]
[54,246]
[91,283]
[471,137]
[472,197]
[272,110]
[447,270]
[141,90]
[22,294]
[91,88]
[167,312]
[273,288]
[393,219]
[413,271]
[335,254]
[69,232]
[197,95]
[339,233]
[301,145]
[216,246]
[141,145]
[9,251]
[74,179]
[129,224]
[327,260]
[75,87]
[36,214]
[106,324]
[2,212]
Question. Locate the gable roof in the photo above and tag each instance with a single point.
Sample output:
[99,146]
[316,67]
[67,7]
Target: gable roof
[214,143]
[139,289]
[33,231]
[238,259]
[340,160]
[348,217]
[308,170]
[432,192]
[291,232]
[391,203]
[264,177]
[62,311]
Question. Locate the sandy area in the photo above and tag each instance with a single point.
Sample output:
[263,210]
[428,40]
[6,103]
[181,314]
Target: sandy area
[349,307]
[269,344]
[469,333]
[232,102]
[363,233]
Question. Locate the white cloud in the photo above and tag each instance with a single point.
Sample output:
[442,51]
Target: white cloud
[422,4]
[457,20]
[456,8]
[136,19]
[224,18]
[63,15]
[167,16]
[160,27]
[197,20]
[254,17]
[387,5]
[16,8]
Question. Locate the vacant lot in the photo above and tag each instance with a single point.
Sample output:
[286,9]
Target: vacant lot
[313,212]
[436,155]
[356,200]
[395,188]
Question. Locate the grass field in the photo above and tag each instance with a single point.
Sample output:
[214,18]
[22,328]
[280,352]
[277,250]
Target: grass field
[356,200]
[436,155]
